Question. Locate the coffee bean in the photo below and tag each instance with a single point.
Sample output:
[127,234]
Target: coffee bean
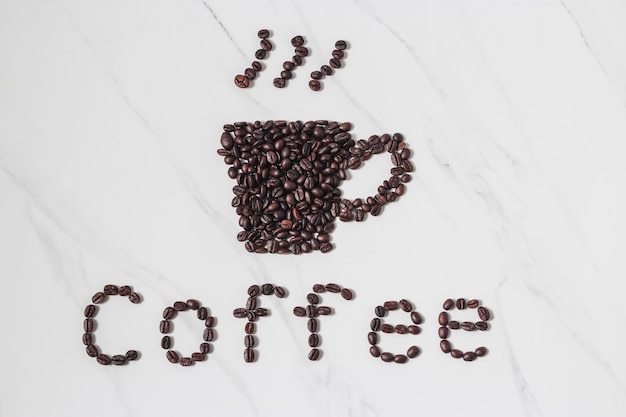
[208,335]
[412,329]
[118,360]
[319,288]
[484,314]
[90,310]
[312,325]
[416,317]
[473,303]
[98,298]
[454,325]
[380,311]
[299,311]
[297,41]
[88,325]
[390,305]
[375,324]
[313,298]
[256,65]
[166,342]
[103,359]
[249,355]
[386,357]
[341,45]
[445,346]
[286,75]
[172,356]
[267,289]
[316,75]
[443,318]
[169,313]
[311,311]
[279,82]
[482,325]
[263,33]
[132,355]
[375,351]
[400,359]
[461,303]
[405,305]
[209,321]
[481,351]
[412,352]
[386,328]
[266,45]
[297,60]
[164,326]
[302,51]
[180,306]
[333,288]
[337,53]
[324,311]
[455,353]
[249,341]
[314,340]
[448,304]
[251,315]
[279,292]
[92,351]
[372,338]
[314,354]
[134,298]
[202,313]
[400,329]
[87,339]
[443,332]
[347,294]
[205,348]
[241,80]
[111,289]
[251,303]
[468,326]
[260,53]
[124,290]
[193,304]
[198,356]
[186,361]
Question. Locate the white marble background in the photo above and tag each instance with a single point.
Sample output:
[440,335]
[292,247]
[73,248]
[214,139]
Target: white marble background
[110,114]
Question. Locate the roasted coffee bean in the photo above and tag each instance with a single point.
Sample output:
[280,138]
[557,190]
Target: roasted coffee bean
[202,313]
[198,356]
[311,311]
[98,298]
[372,338]
[416,317]
[335,63]
[166,342]
[443,318]
[208,335]
[251,303]
[375,351]
[87,339]
[256,65]
[448,304]
[400,329]
[92,351]
[205,348]
[262,312]
[312,325]
[314,354]
[111,289]
[481,351]
[390,305]
[313,298]
[324,311]
[193,304]
[386,328]
[297,60]
[375,324]
[172,356]
[314,340]
[118,360]
[455,353]
[267,289]
[316,75]
[341,45]
[405,305]
[319,288]
[481,325]
[279,82]
[90,310]
[386,357]
[241,80]
[468,326]
[443,332]
[279,292]
[134,298]
[297,41]
[103,359]
[299,311]
[461,303]
[333,288]
[286,75]
[164,326]
[412,352]
[484,314]
[169,313]
[180,306]
[469,356]
[454,325]
[209,321]
[254,290]
[250,328]
[380,311]
[400,359]
[251,315]
[124,290]
[88,325]
[249,355]
[302,51]
[263,33]
[445,346]
[337,53]
[266,44]
[132,355]
[260,53]
[473,303]
[186,361]
[412,329]
[249,341]
[347,294]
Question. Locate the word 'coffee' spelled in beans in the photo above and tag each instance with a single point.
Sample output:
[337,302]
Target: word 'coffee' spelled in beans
[288,175]
[312,312]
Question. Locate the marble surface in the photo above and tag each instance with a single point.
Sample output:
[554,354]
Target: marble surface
[515,113]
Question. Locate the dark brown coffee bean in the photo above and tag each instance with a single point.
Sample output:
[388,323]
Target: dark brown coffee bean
[252,315]
[400,359]
[455,353]
[254,290]
[241,80]
[347,294]
[315,85]
[87,339]
[468,326]
[314,354]
[262,312]
[405,305]
[473,303]
[443,318]
[103,359]
[341,45]
[313,298]
[111,289]
[390,305]
[324,311]
[266,45]
[205,348]
[454,325]
[186,361]
[481,351]
[193,304]
[443,332]
[172,356]
[169,313]
[280,292]
[412,329]
[132,355]
[335,63]
[412,352]
[416,317]
[256,65]
[312,325]
[314,340]
[251,303]
[302,51]
[98,298]
[386,328]
[92,351]
[260,53]
[267,289]
[335,288]
[240,313]
[124,290]
[134,298]
[337,53]
[297,41]
[90,310]
[297,60]
[164,326]
[88,325]
[263,33]
[279,82]
[326,70]
[299,311]
[202,313]
[445,346]
[386,357]
[249,341]
[250,328]
[166,342]
[118,360]
[484,314]
[461,303]
[286,75]
[198,356]
[375,324]
[375,351]
[400,329]
[209,321]
[448,304]
[319,288]
[316,75]
[372,338]
[469,356]
[482,325]
[180,306]
[249,355]
[311,311]
[208,335]
[380,311]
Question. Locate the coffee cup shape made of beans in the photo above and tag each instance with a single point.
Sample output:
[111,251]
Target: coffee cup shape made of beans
[288,176]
